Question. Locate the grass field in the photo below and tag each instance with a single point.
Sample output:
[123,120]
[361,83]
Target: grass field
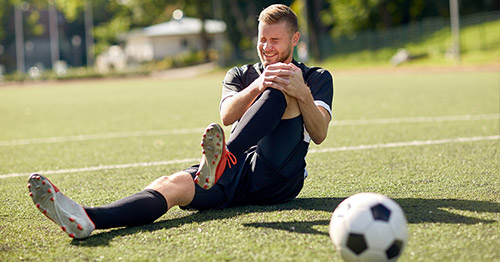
[428,140]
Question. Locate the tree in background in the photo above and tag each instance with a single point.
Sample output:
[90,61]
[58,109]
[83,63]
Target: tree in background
[349,16]
[111,18]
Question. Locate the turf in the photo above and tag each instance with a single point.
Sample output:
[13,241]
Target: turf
[450,192]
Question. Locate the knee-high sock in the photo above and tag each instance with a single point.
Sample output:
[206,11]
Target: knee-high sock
[260,119]
[138,209]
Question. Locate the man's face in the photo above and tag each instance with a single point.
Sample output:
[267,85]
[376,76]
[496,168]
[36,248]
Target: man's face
[275,44]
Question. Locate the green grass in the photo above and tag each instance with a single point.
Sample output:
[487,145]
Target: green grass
[450,192]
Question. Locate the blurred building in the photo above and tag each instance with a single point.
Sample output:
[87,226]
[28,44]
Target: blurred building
[172,38]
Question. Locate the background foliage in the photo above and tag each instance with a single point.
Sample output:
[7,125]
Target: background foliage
[112,18]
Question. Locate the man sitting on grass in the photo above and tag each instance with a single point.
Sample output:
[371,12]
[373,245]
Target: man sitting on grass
[276,107]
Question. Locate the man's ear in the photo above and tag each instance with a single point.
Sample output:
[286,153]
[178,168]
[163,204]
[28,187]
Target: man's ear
[295,38]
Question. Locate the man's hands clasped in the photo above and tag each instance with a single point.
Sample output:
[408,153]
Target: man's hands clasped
[284,77]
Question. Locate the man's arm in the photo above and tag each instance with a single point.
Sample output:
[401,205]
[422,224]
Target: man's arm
[316,118]
[233,107]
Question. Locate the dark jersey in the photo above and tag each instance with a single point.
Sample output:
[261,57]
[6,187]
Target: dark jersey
[317,79]
[273,170]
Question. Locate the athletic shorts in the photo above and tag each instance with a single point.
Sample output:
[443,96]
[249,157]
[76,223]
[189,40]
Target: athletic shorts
[252,181]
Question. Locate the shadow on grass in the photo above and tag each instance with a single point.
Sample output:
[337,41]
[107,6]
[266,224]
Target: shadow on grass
[417,210]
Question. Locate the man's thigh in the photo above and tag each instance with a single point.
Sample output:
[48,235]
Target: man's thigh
[203,199]
[266,186]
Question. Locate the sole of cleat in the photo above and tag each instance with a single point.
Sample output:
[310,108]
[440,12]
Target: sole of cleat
[212,144]
[69,215]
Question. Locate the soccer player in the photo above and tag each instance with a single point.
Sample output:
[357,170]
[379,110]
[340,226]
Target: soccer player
[276,107]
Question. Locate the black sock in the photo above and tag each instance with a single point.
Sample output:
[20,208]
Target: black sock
[259,120]
[138,209]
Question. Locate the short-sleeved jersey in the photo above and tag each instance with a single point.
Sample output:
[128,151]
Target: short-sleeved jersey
[319,80]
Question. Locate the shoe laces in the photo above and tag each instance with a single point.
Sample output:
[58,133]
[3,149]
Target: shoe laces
[230,158]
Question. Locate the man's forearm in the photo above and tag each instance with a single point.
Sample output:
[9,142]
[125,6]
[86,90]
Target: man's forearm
[316,119]
[233,107]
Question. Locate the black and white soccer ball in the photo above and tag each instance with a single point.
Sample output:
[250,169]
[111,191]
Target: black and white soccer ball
[369,227]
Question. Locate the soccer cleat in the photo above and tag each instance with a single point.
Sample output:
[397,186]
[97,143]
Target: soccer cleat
[69,215]
[215,157]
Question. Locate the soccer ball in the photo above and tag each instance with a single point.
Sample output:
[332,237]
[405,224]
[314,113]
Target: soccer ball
[369,227]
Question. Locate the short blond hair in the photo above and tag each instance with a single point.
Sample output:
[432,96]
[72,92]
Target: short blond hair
[277,13]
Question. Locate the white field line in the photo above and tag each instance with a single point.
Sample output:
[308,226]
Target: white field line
[61,139]
[106,167]
[379,121]
[323,150]
[406,144]
[382,121]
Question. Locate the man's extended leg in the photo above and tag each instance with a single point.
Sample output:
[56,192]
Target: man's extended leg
[141,208]
[146,206]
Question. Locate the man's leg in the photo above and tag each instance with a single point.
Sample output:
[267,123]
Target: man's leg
[146,206]
[260,119]
[141,208]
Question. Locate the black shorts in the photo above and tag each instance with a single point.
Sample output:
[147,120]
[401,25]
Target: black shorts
[252,181]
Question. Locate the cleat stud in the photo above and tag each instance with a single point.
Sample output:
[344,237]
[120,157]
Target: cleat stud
[208,180]
[43,182]
[205,186]
[213,162]
[216,156]
[203,152]
[37,205]
[71,219]
[79,227]
[44,211]
[29,185]
[37,177]
[50,191]
[31,194]
[202,144]
[72,235]
[196,180]
[63,229]
[52,199]
[218,144]
[217,135]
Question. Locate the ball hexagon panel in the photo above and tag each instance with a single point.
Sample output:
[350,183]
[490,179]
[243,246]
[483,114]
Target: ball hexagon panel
[358,220]
[371,255]
[379,236]
[398,225]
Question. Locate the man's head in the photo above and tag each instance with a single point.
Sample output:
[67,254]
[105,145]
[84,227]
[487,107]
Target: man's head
[278,34]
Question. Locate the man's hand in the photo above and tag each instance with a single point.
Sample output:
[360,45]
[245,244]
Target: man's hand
[284,77]
[276,76]
[296,86]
